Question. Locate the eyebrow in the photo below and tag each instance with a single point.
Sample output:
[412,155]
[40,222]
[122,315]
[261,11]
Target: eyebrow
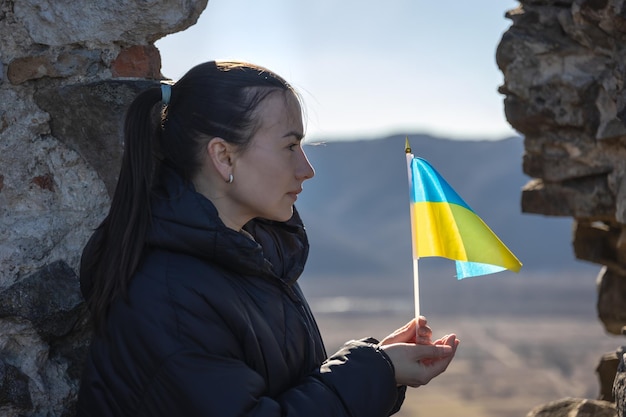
[297,135]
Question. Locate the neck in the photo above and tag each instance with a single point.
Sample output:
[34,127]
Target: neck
[216,193]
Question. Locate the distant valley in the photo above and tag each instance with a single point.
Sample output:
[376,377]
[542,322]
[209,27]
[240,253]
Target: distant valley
[356,213]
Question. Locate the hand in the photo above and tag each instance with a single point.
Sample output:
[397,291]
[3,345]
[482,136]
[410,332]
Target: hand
[417,364]
[421,337]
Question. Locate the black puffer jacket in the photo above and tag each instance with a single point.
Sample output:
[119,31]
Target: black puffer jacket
[216,325]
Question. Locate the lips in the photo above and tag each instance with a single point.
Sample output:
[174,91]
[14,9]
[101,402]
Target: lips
[294,194]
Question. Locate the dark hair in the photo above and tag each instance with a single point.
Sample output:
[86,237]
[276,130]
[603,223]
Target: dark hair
[217,98]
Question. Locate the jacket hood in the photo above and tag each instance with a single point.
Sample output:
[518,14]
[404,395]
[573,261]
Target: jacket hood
[185,221]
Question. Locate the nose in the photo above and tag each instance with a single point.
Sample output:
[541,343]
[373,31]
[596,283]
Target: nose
[305,169]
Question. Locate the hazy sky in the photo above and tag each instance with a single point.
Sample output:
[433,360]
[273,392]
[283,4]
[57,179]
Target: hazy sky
[365,68]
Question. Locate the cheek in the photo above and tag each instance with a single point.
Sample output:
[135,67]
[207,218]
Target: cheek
[271,175]
[261,186]
[264,177]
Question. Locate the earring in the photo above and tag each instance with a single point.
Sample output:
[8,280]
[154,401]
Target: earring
[230,179]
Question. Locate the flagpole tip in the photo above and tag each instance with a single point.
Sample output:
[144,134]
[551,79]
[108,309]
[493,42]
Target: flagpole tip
[407,146]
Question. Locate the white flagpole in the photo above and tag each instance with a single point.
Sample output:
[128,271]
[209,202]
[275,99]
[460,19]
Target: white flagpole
[416,286]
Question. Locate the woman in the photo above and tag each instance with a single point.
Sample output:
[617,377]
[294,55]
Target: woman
[191,278]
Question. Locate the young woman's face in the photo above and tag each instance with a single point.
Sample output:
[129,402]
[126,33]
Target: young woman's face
[269,172]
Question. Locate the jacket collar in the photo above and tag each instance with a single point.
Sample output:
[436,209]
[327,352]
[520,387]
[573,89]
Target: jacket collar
[185,221]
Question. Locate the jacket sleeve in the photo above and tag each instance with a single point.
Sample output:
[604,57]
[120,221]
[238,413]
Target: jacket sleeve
[362,376]
[356,381]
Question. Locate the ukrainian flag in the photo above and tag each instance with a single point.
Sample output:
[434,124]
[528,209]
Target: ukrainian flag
[444,225]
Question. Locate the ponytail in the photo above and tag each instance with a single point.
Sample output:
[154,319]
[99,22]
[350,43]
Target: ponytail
[212,99]
[114,254]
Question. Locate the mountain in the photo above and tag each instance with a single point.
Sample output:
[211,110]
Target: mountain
[356,213]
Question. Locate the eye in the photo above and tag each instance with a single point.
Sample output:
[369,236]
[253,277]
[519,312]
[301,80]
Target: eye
[293,146]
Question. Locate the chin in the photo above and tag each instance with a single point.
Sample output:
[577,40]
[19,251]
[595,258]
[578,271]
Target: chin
[284,215]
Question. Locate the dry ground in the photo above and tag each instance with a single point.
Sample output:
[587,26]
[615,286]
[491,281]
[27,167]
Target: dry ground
[504,367]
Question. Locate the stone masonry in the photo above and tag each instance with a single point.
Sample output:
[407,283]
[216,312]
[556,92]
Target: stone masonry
[564,66]
[68,69]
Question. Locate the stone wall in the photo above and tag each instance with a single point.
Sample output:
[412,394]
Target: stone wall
[68,69]
[564,66]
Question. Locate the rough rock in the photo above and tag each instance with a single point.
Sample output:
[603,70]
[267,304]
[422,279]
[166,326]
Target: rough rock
[611,300]
[574,407]
[99,106]
[564,76]
[619,385]
[106,22]
[606,372]
[68,70]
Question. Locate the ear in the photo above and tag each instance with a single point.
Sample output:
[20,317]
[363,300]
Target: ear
[220,153]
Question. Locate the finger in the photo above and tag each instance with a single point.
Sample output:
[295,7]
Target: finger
[451,340]
[442,340]
[448,340]
[424,331]
[445,340]
[432,351]
[405,334]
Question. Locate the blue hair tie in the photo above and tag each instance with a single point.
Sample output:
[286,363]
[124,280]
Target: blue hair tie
[166,93]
